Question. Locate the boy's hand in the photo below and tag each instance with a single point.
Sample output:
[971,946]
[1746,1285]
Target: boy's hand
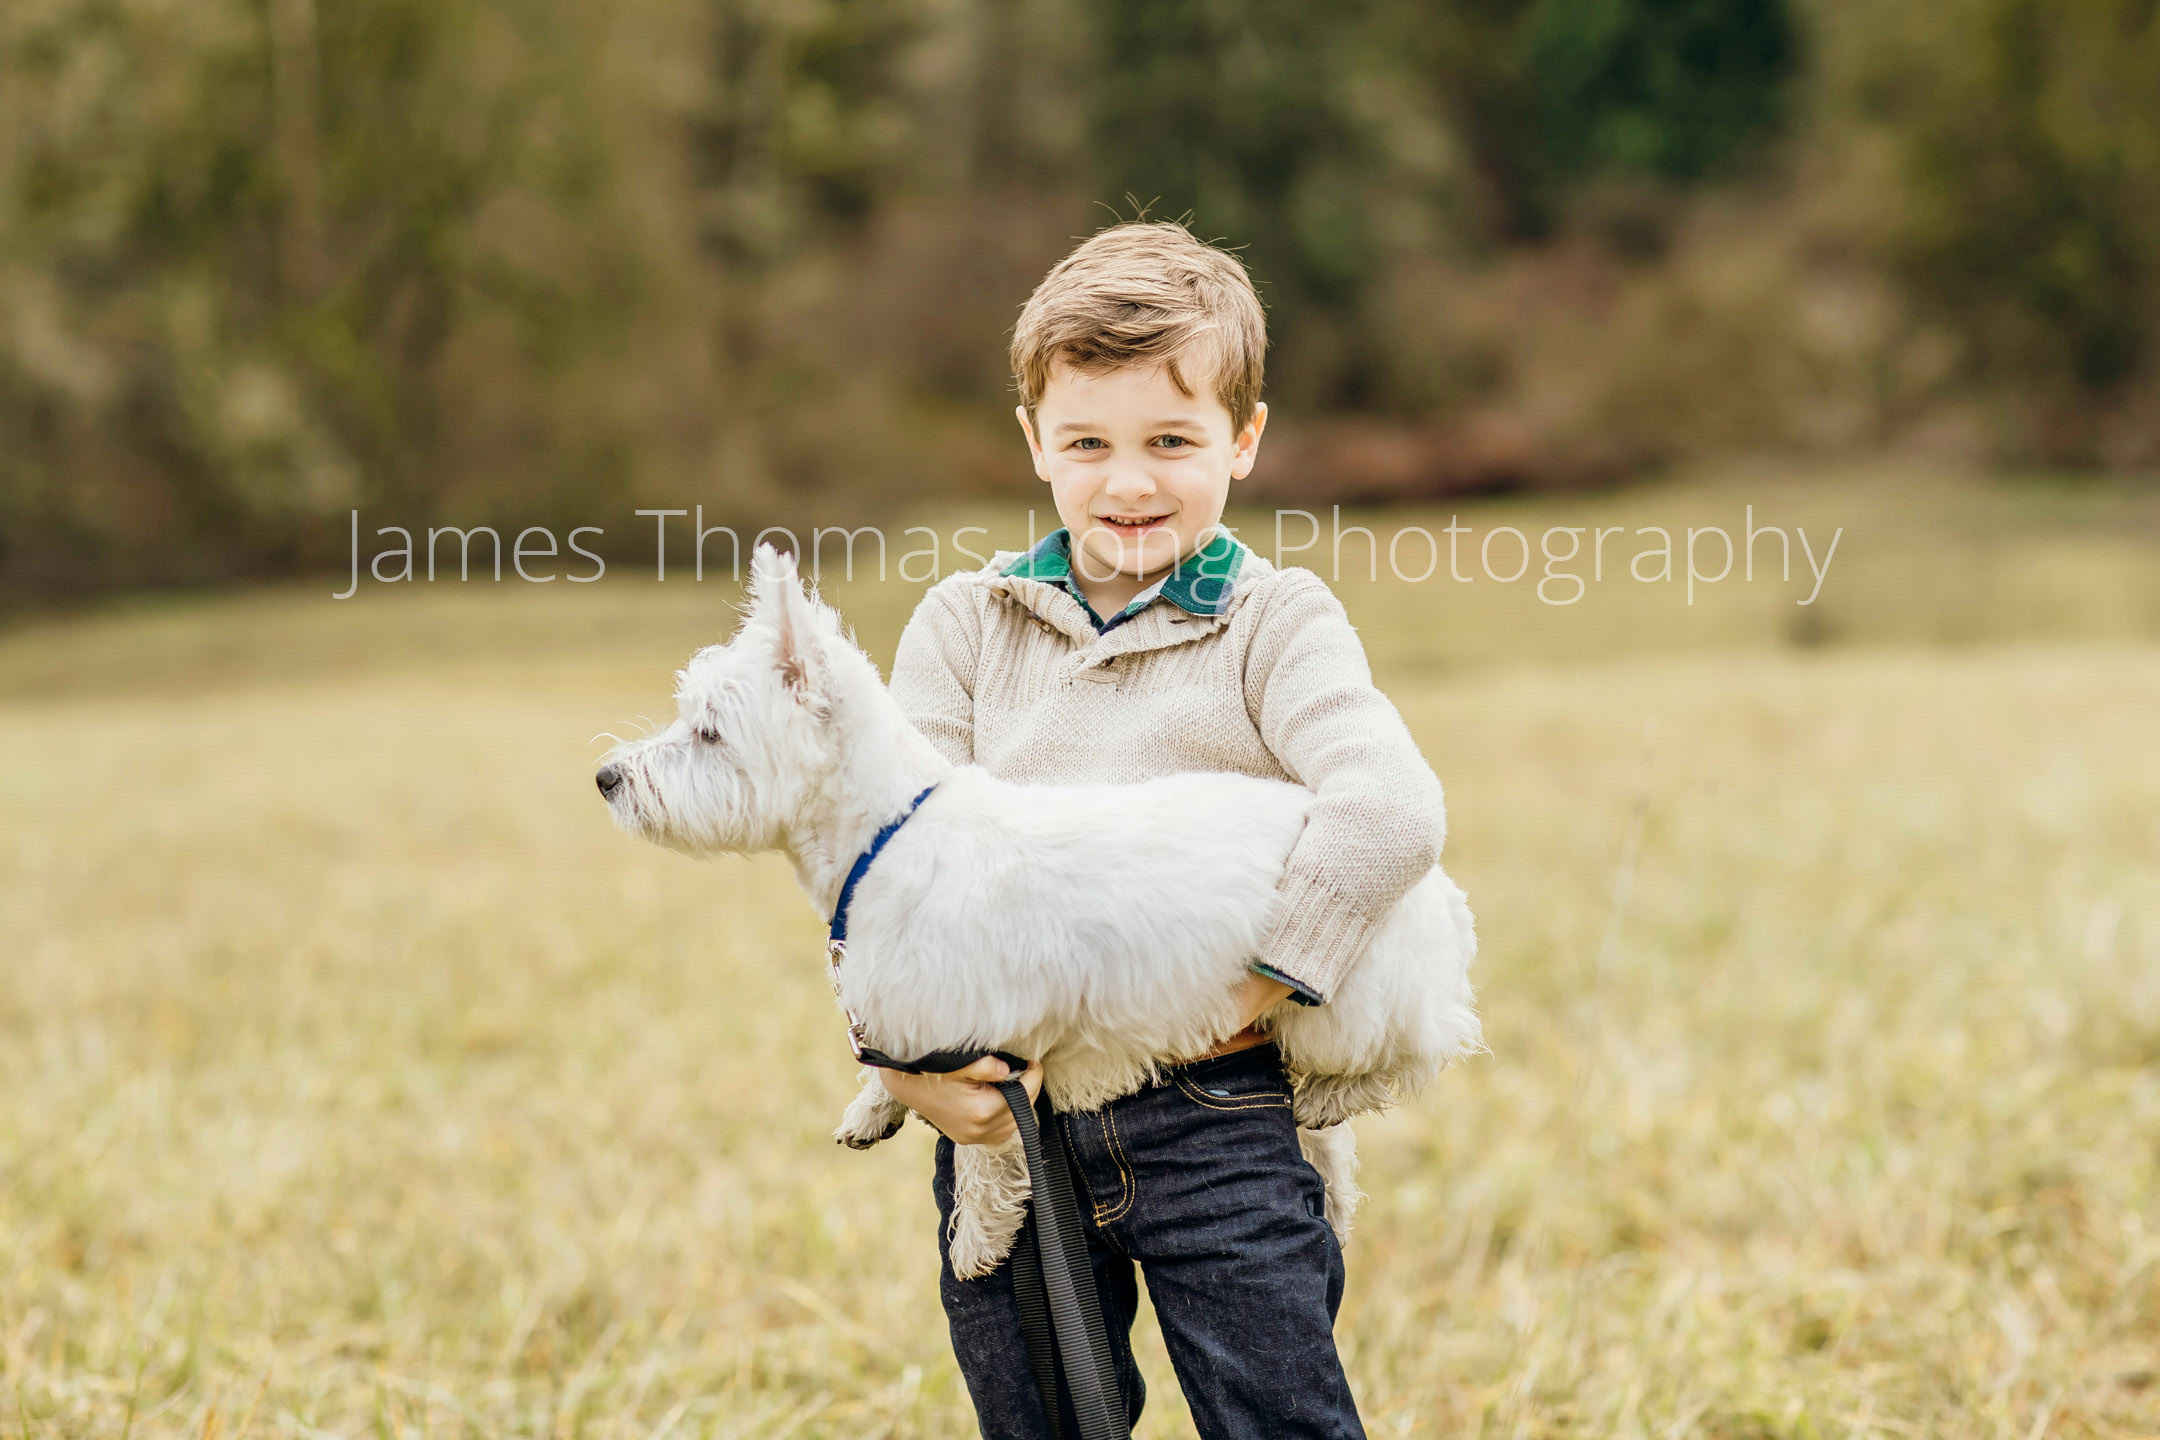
[965,1106]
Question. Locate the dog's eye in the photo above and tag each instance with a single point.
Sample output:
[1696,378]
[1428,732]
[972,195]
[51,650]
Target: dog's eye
[709,736]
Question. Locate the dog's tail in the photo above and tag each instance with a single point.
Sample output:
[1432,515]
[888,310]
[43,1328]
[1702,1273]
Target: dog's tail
[1333,1152]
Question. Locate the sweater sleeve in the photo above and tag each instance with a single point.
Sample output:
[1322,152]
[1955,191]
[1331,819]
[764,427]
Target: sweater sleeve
[933,675]
[1378,820]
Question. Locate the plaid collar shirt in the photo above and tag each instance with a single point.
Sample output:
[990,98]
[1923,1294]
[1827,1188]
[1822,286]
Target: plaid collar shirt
[1199,585]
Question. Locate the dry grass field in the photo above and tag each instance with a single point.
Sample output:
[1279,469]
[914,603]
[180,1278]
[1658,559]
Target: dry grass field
[356,1078]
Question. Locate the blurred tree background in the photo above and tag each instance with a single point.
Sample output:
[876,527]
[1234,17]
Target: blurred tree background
[534,261]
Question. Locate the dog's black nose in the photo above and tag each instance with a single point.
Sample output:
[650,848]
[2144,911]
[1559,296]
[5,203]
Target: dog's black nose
[609,780]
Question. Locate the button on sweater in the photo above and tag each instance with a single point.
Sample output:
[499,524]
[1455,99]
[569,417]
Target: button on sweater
[1001,669]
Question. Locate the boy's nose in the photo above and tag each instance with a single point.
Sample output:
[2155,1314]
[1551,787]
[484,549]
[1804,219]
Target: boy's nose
[1129,482]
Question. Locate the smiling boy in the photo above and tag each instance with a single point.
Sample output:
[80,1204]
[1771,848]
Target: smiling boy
[1143,639]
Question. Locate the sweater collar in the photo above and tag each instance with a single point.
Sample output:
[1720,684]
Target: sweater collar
[1052,604]
[1200,584]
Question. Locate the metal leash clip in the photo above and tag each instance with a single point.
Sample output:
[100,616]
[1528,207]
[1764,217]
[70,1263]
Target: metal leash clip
[835,952]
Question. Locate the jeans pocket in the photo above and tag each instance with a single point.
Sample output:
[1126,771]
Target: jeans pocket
[1234,1092]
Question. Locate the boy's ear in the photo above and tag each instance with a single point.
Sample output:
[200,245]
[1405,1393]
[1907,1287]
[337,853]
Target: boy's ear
[1246,444]
[776,596]
[1035,450]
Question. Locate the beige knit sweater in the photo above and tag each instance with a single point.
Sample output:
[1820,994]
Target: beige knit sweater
[1006,672]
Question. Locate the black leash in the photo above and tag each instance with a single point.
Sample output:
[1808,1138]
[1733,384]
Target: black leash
[1060,1310]
[1053,1284]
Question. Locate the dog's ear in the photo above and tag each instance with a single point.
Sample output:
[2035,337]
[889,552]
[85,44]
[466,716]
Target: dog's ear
[798,645]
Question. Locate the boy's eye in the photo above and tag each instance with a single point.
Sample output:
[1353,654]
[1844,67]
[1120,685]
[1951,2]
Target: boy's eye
[1172,442]
[1088,442]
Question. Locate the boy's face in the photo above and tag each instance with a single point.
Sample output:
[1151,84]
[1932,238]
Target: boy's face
[1139,470]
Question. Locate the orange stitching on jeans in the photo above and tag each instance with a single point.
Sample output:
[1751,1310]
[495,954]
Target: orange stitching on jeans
[1125,1173]
[1072,1158]
[1262,1100]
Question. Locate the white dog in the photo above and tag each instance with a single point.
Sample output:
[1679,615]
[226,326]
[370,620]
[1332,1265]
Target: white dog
[1030,919]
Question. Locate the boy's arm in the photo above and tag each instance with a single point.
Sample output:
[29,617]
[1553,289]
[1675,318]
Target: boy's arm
[1379,819]
[933,675]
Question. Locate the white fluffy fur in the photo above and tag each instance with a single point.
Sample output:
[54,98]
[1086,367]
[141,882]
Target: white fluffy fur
[1097,928]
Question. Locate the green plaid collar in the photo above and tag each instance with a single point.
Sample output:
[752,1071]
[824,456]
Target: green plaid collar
[1200,585]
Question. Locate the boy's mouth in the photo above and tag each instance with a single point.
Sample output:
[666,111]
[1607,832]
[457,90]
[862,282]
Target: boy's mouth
[1132,524]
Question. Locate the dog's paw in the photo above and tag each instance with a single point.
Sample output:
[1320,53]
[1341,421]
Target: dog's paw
[855,1140]
[871,1116]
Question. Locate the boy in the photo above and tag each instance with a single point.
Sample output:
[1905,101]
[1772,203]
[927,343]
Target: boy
[1138,640]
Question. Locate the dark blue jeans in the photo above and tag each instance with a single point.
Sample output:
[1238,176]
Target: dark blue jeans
[1200,1180]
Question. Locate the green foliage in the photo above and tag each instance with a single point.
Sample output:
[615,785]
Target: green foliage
[1666,88]
[1274,122]
[804,126]
[1479,75]
[1246,118]
[1549,96]
[261,255]
[2029,136]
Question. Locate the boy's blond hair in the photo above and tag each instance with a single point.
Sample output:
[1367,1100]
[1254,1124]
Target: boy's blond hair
[1146,293]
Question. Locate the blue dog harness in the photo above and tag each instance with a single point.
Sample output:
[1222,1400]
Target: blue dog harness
[836,944]
[937,1062]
